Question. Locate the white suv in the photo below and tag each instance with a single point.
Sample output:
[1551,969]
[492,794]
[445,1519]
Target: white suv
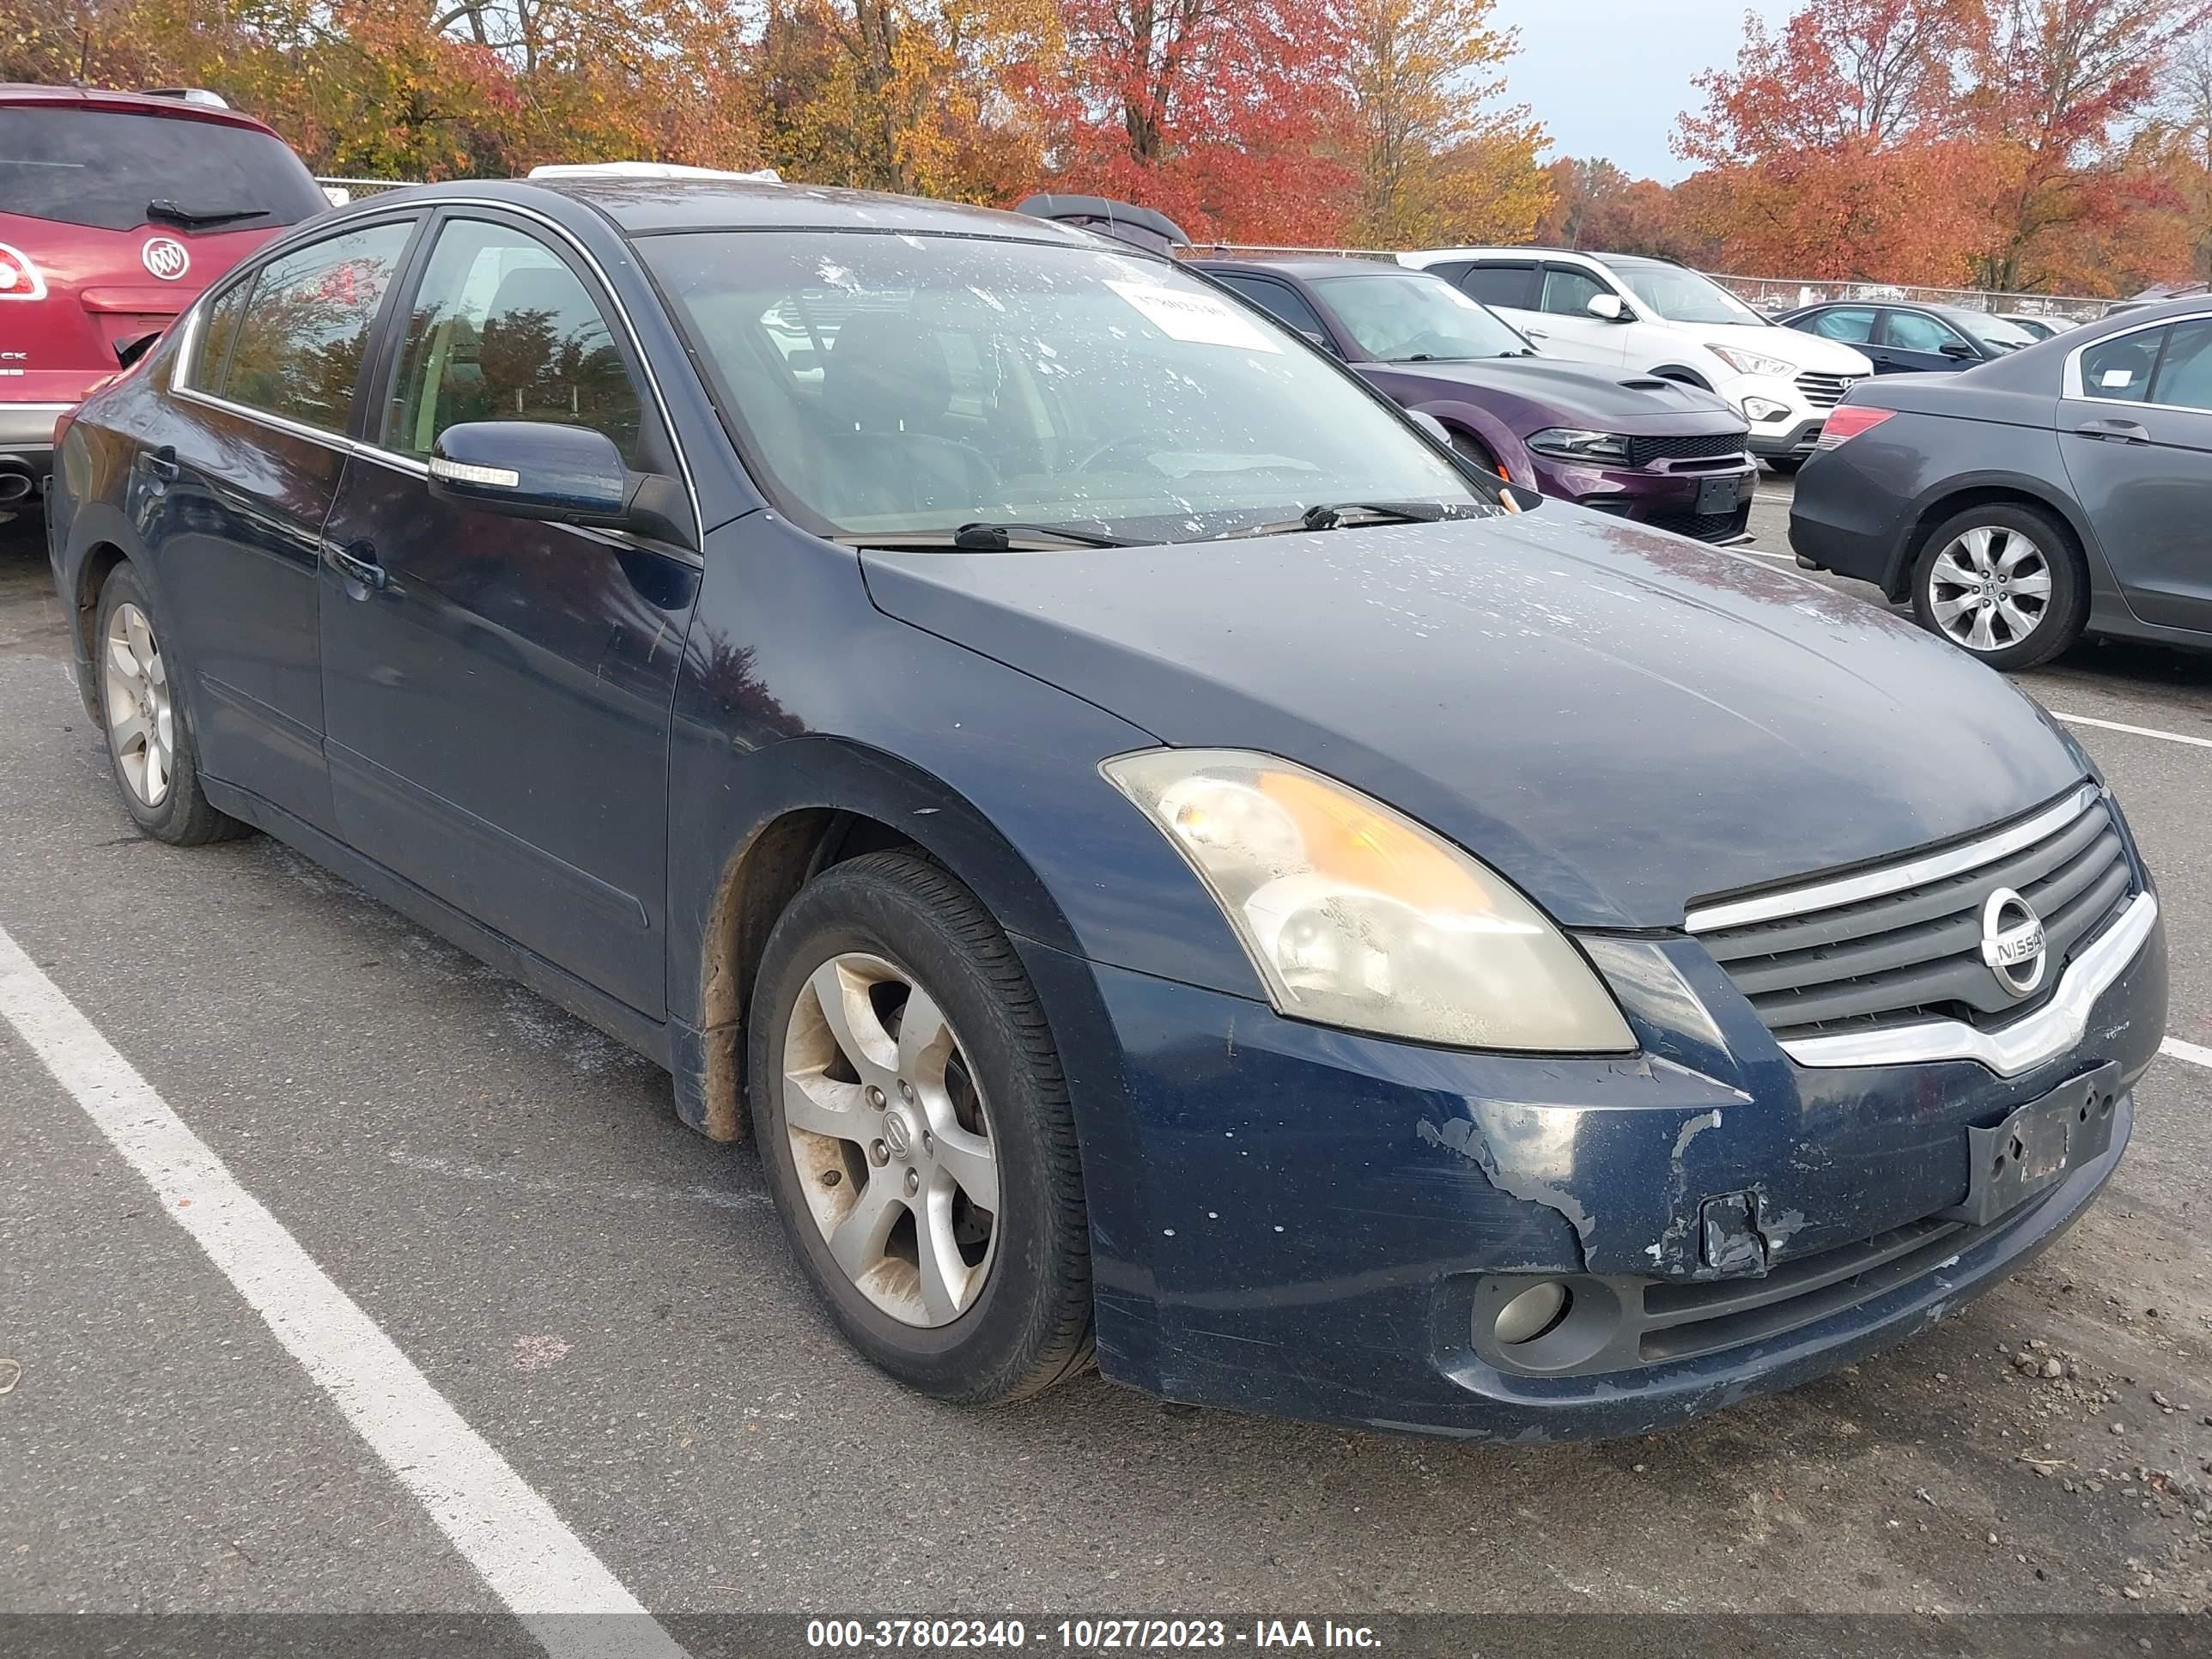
[1655,317]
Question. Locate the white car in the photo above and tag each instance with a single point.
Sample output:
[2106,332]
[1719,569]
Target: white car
[1658,318]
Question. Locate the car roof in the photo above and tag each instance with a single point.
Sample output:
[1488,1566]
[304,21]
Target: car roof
[644,207]
[1310,268]
[21,95]
[1441,253]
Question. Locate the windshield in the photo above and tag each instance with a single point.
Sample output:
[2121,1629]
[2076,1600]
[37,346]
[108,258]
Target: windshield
[1408,318]
[103,169]
[1993,332]
[902,383]
[1683,296]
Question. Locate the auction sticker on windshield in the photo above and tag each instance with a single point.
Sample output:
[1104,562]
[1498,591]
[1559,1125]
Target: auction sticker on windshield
[1199,319]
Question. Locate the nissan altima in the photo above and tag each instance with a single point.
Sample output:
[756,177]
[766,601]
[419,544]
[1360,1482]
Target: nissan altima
[1170,867]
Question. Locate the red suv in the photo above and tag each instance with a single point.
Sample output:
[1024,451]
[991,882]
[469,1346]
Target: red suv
[116,210]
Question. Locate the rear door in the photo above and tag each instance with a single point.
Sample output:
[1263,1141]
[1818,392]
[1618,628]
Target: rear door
[2136,430]
[1564,326]
[498,691]
[1913,341]
[237,493]
[1508,287]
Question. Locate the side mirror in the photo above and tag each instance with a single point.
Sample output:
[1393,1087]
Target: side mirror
[1319,341]
[1429,423]
[1608,306]
[1960,351]
[529,469]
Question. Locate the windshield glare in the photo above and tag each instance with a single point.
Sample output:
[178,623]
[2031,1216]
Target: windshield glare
[890,383]
[1994,332]
[1684,296]
[1411,317]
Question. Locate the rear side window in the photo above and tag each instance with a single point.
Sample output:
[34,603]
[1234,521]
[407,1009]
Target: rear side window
[2119,369]
[105,169]
[1500,285]
[218,332]
[304,330]
[2185,371]
[1854,323]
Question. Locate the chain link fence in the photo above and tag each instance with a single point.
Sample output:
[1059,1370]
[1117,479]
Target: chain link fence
[1772,294]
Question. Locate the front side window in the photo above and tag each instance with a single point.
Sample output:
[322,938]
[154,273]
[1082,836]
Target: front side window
[1852,324]
[913,383]
[1916,331]
[1278,299]
[2119,369]
[1567,293]
[1682,295]
[1412,318]
[502,329]
[305,327]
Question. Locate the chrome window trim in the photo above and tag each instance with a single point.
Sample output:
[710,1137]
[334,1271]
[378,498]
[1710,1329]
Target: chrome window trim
[1873,884]
[2071,388]
[2050,1030]
[179,380]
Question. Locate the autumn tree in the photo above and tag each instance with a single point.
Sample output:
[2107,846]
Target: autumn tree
[1214,112]
[1433,165]
[1594,204]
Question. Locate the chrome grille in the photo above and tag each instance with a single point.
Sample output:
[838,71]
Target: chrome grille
[1902,943]
[1827,390]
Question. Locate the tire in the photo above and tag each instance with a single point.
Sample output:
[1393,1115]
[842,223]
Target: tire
[1012,1315]
[150,750]
[1784,466]
[1984,545]
[1476,453]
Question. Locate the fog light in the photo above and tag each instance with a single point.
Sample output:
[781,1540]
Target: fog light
[1529,1314]
[1759,408]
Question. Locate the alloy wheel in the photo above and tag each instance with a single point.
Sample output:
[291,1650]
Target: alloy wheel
[141,729]
[891,1139]
[1990,588]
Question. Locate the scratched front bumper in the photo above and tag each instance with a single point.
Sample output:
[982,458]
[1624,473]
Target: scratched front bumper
[1294,1220]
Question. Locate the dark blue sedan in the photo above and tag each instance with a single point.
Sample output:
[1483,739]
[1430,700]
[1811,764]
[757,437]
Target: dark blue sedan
[1164,860]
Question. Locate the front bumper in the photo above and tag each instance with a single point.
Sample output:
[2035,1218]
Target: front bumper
[1658,495]
[1300,1221]
[1795,437]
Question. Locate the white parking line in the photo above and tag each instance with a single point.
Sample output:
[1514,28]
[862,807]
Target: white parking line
[2133,731]
[543,1572]
[2195,1054]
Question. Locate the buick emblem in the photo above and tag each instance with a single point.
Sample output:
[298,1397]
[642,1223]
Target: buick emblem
[2011,942]
[166,257]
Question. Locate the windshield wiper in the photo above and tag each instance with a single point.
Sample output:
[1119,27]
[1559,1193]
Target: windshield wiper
[170,212]
[991,539]
[1344,515]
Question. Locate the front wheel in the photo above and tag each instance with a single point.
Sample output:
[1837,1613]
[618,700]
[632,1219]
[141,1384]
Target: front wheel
[2004,583]
[917,1135]
[1784,467]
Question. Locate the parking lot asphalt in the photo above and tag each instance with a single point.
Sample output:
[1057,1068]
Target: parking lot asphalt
[607,1301]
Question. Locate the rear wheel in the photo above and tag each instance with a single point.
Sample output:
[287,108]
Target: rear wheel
[917,1135]
[2003,582]
[150,738]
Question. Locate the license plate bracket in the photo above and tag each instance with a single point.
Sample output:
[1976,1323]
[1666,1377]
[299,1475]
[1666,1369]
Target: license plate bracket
[1718,495]
[2035,1145]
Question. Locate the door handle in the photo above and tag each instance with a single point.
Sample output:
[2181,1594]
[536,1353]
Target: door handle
[2125,432]
[162,464]
[356,562]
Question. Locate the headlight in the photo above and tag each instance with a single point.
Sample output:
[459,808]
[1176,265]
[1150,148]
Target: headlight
[1568,443]
[1752,362]
[1355,916]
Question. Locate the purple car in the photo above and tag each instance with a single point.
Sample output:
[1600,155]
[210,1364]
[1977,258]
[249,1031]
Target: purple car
[1656,451]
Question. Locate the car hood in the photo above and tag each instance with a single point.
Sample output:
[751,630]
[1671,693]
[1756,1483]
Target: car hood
[1618,719]
[1808,351]
[1573,393]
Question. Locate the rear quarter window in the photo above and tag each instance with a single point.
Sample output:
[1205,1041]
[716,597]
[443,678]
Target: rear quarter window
[103,169]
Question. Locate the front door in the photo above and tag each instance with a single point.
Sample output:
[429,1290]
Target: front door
[1914,343]
[237,494]
[2136,434]
[1564,327]
[498,693]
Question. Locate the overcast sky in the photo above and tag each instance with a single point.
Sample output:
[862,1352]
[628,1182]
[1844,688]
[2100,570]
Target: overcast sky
[1607,77]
